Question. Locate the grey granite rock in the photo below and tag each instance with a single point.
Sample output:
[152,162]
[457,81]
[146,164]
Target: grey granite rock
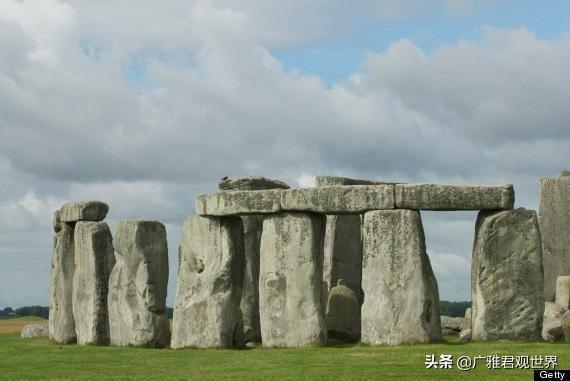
[563,291]
[290,282]
[250,183]
[137,285]
[343,314]
[454,197]
[507,279]
[401,300]
[229,203]
[208,290]
[31,331]
[84,211]
[94,261]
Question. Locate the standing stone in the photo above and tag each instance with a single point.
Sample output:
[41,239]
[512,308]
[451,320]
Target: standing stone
[343,314]
[61,321]
[467,319]
[210,277]
[401,299]
[554,220]
[563,291]
[249,305]
[290,280]
[94,261]
[137,285]
[507,279]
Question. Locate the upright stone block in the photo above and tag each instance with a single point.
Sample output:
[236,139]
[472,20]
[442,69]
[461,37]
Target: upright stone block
[249,305]
[290,280]
[401,299]
[507,279]
[210,278]
[343,314]
[554,220]
[94,261]
[61,321]
[137,285]
[563,291]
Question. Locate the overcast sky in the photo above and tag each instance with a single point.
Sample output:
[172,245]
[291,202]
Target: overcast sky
[145,106]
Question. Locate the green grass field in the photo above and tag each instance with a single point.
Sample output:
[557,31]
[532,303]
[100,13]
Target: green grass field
[39,359]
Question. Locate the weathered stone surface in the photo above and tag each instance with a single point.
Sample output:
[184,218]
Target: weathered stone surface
[61,321]
[137,285]
[553,310]
[325,181]
[343,314]
[34,330]
[249,305]
[554,220]
[290,282]
[351,199]
[467,319]
[465,335]
[229,203]
[401,302]
[84,211]
[507,279]
[565,325]
[454,197]
[552,329]
[210,278]
[451,325]
[94,261]
[250,183]
[563,291]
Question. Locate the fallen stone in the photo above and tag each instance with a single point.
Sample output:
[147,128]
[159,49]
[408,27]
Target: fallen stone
[94,261]
[565,325]
[351,199]
[61,320]
[84,211]
[554,220]
[563,291]
[290,281]
[465,335]
[250,183]
[210,278]
[137,285]
[467,319]
[31,331]
[507,279]
[553,310]
[552,329]
[454,197]
[451,325]
[229,203]
[325,181]
[401,302]
[343,314]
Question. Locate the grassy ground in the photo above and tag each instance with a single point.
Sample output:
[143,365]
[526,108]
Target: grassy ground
[39,359]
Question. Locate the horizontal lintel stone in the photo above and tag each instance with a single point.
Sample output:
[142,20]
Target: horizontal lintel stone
[94,211]
[231,203]
[454,197]
[348,199]
[324,181]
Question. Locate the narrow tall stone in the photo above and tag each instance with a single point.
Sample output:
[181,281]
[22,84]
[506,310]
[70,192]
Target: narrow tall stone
[554,221]
[61,321]
[210,278]
[137,285]
[401,299]
[507,279]
[563,291]
[94,261]
[290,280]
[252,228]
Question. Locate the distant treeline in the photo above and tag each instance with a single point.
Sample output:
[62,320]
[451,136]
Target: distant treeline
[456,309]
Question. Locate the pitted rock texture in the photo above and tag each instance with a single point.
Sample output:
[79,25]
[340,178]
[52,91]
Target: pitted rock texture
[401,302]
[94,261]
[137,285]
[31,331]
[229,203]
[84,211]
[563,291]
[210,278]
[61,321]
[351,199]
[554,220]
[290,281]
[325,181]
[343,314]
[454,197]
[250,183]
[507,279]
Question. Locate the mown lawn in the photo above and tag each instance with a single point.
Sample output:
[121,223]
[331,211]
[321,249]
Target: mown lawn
[39,359]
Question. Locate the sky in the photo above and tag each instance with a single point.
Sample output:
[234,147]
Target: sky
[145,106]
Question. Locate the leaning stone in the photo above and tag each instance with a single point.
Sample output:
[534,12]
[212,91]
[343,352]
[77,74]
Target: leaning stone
[290,281]
[454,197]
[552,329]
[229,203]
[94,261]
[465,335]
[137,285]
[553,310]
[451,325]
[343,314]
[507,279]
[61,321]
[554,220]
[401,302]
[563,291]
[84,211]
[467,319]
[325,181]
[208,291]
[250,183]
[31,331]
[351,199]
